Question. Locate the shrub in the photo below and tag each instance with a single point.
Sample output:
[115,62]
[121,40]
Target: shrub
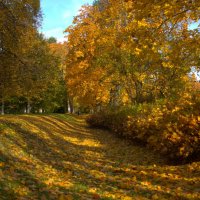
[171,128]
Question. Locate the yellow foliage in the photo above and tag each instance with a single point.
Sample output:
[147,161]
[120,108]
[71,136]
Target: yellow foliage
[70,161]
[79,54]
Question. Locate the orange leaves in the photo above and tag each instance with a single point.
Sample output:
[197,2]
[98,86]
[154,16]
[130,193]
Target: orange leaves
[122,38]
[79,54]
[65,197]
[170,130]
[126,185]
[82,75]
[96,196]
[155,197]
[2,164]
[68,161]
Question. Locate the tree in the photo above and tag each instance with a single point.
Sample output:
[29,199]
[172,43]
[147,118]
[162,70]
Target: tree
[41,71]
[52,40]
[16,19]
[59,50]
[83,79]
[141,49]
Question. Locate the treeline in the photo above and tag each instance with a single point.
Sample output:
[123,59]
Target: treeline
[133,64]
[31,71]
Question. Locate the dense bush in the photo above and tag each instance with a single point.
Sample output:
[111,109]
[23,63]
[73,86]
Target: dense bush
[172,127]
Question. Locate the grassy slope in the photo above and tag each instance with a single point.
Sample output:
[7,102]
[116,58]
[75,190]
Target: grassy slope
[58,157]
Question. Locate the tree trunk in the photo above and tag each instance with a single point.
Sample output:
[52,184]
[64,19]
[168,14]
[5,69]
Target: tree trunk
[28,107]
[40,110]
[138,88]
[25,110]
[68,106]
[116,101]
[71,105]
[115,96]
[2,107]
[65,104]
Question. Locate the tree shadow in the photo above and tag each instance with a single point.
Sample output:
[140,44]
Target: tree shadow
[85,162]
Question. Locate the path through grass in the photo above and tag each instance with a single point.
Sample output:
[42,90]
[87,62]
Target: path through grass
[58,157]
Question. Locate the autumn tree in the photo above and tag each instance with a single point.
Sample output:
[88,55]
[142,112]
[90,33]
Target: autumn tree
[83,79]
[144,49]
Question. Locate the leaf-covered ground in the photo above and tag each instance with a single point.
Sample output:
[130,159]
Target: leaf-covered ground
[58,157]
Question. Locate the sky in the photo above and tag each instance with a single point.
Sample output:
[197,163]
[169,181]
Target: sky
[58,15]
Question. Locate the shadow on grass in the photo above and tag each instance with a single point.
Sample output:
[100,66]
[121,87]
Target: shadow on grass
[50,156]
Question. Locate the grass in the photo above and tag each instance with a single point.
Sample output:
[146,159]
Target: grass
[59,157]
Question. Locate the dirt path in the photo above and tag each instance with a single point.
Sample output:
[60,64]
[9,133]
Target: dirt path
[59,157]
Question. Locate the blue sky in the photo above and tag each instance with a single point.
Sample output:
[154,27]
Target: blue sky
[58,15]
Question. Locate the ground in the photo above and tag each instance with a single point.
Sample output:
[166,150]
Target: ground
[58,157]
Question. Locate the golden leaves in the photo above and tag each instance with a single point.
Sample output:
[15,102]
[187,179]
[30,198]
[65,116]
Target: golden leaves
[65,197]
[127,36]
[155,197]
[61,167]
[2,164]
[79,54]
[142,23]
[138,51]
